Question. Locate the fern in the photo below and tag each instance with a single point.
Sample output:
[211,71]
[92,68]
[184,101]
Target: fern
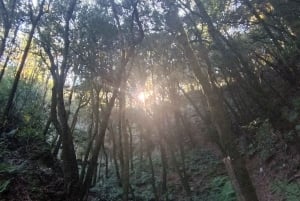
[290,191]
[222,189]
[3,185]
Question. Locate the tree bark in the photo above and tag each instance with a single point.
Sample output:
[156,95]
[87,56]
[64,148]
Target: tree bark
[153,181]
[115,156]
[124,134]
[164,162]
[59,114]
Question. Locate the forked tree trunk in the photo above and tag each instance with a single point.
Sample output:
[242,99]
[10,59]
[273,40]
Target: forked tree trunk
[99,138]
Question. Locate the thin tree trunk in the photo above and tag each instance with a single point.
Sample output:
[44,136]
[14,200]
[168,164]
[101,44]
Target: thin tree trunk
[124,134]
[152,176]
[164,162]
[45,90]
[115,156]
[7,18]
[106,162]
[47,126]
[126,54]
[57,147]
[98,143]
[130,147]
[141,150]
[182,177]
[94,180]
[85,159]
[187,128]
[9,54]
[13,90]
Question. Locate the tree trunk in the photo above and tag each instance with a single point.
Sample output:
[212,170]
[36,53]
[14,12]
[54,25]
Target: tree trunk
[124,134]
[85,159]
[164,162]
[13,90]
[9,54]
[219,115]
[98,143]
[68,152]
[7,15]
[182,176]
[106,162]
[115,155]
[47,126]
[130,147]
[57,147]
[153,182]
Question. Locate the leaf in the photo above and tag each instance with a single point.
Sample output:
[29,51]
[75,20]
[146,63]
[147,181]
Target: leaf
[7,168]
[222,189]
[3,185]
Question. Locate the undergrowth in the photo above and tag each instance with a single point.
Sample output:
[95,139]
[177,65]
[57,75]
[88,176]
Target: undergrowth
[290,191]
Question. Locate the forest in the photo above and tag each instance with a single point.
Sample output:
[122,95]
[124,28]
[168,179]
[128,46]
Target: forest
[149,100]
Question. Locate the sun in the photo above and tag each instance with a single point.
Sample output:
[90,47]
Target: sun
[141,96]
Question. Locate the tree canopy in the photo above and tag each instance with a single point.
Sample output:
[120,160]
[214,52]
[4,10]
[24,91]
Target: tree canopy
[149,100]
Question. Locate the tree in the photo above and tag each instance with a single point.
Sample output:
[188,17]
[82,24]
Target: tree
[34,23]
[59,115]
[126,54]
[7,19]
[239,174]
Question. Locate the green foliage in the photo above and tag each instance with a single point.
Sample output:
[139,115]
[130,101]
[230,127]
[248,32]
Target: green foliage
[290,115]
[145,193]
[142,178]
[109,189]
[6,168]
[199,161]
[290,191]
[30,134]
[6,172]
[264,140]
[27,114]
[3,148]
[3,185]
[141,183]
[222,190]
[4,91]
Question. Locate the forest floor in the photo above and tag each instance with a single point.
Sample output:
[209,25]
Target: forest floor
[269,176]
[28,172]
